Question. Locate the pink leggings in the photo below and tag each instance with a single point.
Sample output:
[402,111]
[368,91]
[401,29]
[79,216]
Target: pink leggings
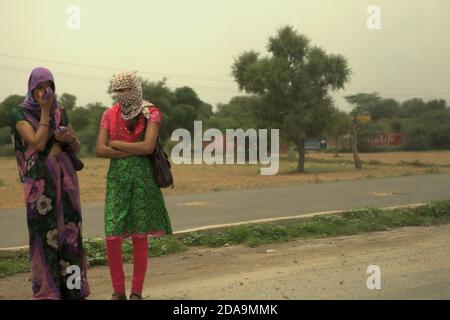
[140,257]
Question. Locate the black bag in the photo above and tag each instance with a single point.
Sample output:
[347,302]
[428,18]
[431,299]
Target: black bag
[78,165]
[161,166]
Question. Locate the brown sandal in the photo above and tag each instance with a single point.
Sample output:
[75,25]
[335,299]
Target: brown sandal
[135,296]
[118,296]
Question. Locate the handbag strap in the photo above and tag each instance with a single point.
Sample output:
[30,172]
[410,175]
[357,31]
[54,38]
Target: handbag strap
[145,129]
[63,117]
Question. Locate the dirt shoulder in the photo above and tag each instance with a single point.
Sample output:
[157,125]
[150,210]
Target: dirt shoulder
[414,262]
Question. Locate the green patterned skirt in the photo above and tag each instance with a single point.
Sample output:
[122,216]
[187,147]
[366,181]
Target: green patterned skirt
[134,204]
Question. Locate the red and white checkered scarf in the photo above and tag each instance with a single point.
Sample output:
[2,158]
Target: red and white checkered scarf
[131,101]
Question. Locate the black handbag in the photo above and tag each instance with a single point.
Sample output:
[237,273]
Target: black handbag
[78,165]
[160,163]
[161,166]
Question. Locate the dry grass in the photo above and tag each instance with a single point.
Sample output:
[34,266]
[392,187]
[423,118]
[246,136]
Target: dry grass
[209,178]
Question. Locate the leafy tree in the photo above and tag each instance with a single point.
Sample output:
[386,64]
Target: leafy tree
[187,96]
[431,130]
[89,129]
[6,106]
[384,109]
[181,116]
[367,131]
[412,108]
[294,82]
[240,112]
[79,118]
[436,105]
[5,136]
[340,124]
[396,126]
[67,101]
[204,112]
[361,102]
[159,94]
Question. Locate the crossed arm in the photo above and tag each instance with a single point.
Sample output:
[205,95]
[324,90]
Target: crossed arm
[121,149]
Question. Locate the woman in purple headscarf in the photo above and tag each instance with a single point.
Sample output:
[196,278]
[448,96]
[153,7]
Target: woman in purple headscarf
[43,139]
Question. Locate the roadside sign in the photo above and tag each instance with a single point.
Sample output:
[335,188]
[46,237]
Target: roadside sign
[315,144]
[363,116]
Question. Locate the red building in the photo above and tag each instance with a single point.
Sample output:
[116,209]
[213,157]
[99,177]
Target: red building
[386,139]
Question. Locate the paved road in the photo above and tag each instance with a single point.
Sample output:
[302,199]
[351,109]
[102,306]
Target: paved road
[197,210]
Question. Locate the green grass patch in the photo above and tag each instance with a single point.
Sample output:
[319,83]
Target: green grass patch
[328,161]
[9,266]
[319,167]
[432,170]
[96,249]
[374,163]
[322,168]
[7,150]
[347,223]
[96,253]
[416,163]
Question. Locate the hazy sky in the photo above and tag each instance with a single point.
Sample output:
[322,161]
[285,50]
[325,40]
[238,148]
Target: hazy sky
[194,43]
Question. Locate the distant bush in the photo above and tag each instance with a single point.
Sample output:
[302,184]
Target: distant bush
[7,150]
[429,131]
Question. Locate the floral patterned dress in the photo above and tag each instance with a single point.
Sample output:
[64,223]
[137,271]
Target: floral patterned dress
[54,221]
[134,204]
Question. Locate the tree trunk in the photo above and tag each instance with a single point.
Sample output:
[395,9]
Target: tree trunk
[336,154]
[354,144]
[301,155]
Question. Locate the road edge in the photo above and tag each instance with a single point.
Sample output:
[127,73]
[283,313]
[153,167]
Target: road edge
[12,252]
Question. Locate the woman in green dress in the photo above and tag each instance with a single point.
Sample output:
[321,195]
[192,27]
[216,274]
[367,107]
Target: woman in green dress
[134,205]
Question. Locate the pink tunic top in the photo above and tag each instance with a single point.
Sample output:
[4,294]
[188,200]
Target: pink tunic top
[117,129]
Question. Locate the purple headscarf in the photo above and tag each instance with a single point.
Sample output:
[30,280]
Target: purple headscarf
[37,76]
